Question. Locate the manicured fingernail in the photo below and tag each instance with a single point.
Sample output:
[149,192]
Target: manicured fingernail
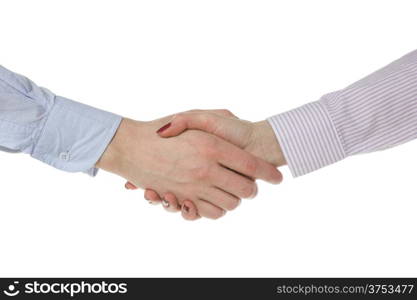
[186,209]
[163,128]
[165,203]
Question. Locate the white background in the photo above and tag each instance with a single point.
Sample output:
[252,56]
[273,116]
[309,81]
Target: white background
[147,59]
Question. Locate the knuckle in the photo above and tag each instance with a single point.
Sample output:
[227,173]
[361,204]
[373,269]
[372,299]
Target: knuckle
[209,146]
[179,117]
[202,172]
[206,120]
[251,167]
[226,112]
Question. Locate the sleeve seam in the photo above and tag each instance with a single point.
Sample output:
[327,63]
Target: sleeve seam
[339,137]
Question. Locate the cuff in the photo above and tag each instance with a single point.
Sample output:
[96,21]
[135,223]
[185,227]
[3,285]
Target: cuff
[75,136]
[308,138]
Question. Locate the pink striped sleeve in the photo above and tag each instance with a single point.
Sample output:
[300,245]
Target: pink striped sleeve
[375,113]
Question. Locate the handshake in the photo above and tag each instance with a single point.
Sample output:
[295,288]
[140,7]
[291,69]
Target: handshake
[200,162]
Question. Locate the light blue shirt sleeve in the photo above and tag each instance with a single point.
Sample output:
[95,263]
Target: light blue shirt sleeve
[60,132]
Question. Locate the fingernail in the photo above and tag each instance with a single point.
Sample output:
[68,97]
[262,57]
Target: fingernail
[255,192]
[165,203]
[186,209]
[146,197]
[165,127]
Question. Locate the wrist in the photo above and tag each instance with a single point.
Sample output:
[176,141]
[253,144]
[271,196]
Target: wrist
[268,144]
[114,157]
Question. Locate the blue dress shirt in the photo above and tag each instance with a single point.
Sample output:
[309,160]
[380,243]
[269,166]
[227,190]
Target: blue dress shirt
[60,132]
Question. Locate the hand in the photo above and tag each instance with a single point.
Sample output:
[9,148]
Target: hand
[256,138]
[197,166]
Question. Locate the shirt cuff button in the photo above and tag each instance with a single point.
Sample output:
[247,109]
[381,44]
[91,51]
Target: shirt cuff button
[64,156]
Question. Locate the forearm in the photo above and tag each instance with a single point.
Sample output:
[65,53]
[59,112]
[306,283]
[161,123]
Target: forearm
[60,132]
[375,113]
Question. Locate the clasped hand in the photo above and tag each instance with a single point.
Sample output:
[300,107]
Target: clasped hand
[201,163]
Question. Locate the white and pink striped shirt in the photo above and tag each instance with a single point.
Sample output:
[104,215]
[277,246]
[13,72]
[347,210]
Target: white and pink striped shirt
[375,113]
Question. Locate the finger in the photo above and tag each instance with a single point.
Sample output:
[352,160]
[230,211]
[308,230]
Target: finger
[233,183]
[207,210]
[170,202]
[247,164]
[189,211]
[152,196]
[228,128]
[221,198]
[130,186]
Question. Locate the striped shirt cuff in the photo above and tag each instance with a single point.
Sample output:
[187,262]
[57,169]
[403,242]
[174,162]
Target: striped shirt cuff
[308,138]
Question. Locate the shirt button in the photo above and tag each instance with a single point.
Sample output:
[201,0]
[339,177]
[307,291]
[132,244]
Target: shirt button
[64,156]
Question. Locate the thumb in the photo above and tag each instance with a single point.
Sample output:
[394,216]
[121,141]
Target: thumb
[189,120]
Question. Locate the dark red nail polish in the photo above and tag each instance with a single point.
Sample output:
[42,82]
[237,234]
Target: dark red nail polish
[165,127]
